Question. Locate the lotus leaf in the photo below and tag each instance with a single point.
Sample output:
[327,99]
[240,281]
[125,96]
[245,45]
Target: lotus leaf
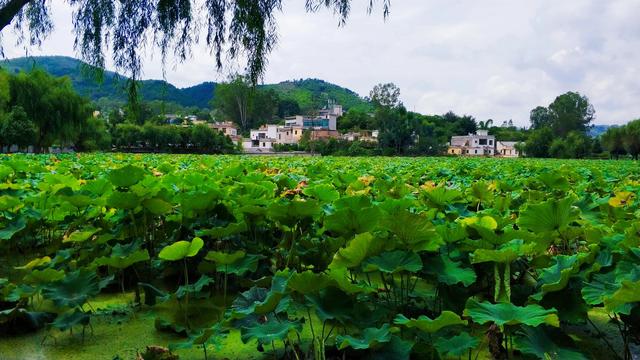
[424,323]
[451,272]
[181,249]
[223,258]
[370,338]
[394,262]
[456,346]
[508,314]
[550,215]
[126,176]
[35,263]
[269,331]
[157,206]
[535,341]
[70,319]
[75,289]
[81,235]
[359,248]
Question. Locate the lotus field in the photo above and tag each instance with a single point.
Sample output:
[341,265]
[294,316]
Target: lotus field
[112,256]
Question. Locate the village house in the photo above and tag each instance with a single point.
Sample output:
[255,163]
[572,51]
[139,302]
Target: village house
[362,135]
[481,144]
[320,127]
[227,128]
[507,149]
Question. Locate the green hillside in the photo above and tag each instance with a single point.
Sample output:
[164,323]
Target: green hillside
[309,93]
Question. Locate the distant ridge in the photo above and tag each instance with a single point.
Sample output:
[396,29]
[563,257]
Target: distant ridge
[309,93]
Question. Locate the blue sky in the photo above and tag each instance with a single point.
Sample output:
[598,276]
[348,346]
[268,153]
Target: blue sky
[488,58]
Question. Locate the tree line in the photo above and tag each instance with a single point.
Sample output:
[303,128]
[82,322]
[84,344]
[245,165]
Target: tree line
[40,111]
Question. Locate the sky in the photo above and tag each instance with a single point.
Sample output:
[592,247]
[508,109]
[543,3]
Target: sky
[494,59]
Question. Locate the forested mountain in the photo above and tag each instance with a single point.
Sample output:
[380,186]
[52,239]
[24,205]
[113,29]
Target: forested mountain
[309,93]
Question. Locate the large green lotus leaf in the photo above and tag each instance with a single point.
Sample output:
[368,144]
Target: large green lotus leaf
[123,200]
[392,262]
[274,296]
[332,304]
[600,288]
[246,302]
[556,277]
[550,215]
[451,232]
[535,341]
[81,235]
[290,212]
[359,248]
[308,282]
[414,231]
[5,171]
[13,228]
[352,215]
[480,192]
[424,323]
[370,337]
[8,202]
[323,192]
[181,249]
[554,180]
[123,262]
[456,346]
[272,330]
[199,201]
[629,292]
[194,289]
[222,258]
[508,314]
[70,319]
[451,272]
[224,231]
[34,263]
[505,254]
[341,278]
[396,349]
[157,206]
[441,196]
[44,276]
[485,222]
[249,263]
[126,176]
[75,289]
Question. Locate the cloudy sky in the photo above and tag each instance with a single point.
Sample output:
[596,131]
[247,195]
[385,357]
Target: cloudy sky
[487,58]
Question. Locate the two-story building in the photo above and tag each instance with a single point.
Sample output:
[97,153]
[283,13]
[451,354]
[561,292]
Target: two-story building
[482,144]
[478,144]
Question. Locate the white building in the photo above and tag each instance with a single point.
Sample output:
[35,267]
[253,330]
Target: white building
[327,119]
[507,149]
[478,144]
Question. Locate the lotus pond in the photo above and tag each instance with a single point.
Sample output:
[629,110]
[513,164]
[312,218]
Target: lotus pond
[109,256]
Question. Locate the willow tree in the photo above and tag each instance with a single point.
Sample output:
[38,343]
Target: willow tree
[235,28]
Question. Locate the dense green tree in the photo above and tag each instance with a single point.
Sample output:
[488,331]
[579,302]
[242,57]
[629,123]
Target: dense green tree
[460,125]
[354,120]
[613,141]
[631,138]
[571,112]
[396,130]
[52,104]
[232,100]
[540,117]
[539,142]
[239,28]
[579,145]
[288,107]
[385,95]
[94,135]
[17,129]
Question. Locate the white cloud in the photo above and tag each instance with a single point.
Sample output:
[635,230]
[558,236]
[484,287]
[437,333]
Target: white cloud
[490,59]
